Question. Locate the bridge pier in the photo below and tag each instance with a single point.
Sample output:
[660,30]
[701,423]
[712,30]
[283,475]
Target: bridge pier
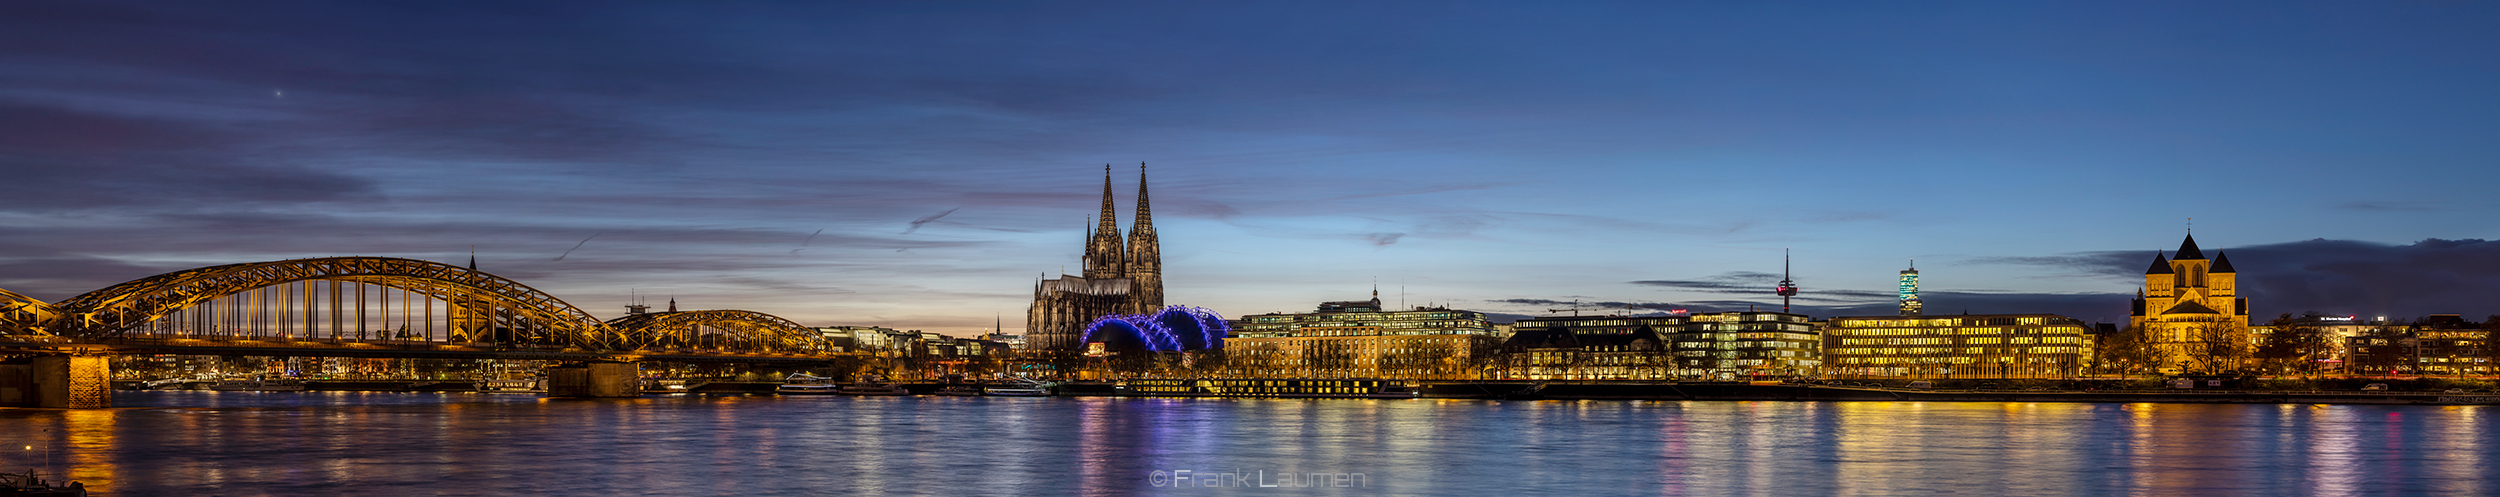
[76,382]
[600,379]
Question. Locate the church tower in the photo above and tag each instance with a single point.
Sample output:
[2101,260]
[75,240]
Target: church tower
[1145,254]
[1106,256]
[2184,293]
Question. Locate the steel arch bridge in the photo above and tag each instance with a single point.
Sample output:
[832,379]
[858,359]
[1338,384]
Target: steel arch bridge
[20,314]
[717,330]
[303,307]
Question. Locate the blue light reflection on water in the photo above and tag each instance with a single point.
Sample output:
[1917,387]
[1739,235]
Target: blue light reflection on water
[400,443]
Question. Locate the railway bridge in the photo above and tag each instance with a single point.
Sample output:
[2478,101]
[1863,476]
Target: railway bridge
[368,307]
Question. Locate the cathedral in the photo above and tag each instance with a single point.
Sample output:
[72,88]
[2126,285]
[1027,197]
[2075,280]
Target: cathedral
[2186,292]
[1122,276]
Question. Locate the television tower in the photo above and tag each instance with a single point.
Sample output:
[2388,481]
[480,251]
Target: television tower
[1787,288]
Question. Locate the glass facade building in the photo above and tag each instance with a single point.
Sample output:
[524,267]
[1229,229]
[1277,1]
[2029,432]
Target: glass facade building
[1970,346]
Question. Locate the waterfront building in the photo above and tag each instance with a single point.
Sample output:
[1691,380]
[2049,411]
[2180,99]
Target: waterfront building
[1968,346]
[2439,344]
[1358,339]
[1362,318]
[2338,331]
[1730,345]
[1726,345]
[2187,299]
[1590,348]
[1121,276]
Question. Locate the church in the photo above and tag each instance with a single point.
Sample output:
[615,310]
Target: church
[1122,276]
[2184,293]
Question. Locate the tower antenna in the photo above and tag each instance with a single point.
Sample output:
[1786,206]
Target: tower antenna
[1787,288]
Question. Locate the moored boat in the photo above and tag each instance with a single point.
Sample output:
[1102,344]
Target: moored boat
[807,384]
[259,385]
[872,385]
[1018,387]
[1287,388]
[511,386]
[29,485]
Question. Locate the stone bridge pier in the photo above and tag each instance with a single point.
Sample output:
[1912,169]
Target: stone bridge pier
[57,382]
[599,379]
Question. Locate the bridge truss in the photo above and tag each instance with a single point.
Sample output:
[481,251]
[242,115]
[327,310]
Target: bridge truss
[381,307]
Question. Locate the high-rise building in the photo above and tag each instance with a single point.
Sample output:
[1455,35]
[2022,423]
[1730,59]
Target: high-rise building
[1121,276]
[1910,305]
[2186,300]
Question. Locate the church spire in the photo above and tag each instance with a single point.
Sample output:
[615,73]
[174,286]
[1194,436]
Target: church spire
[1105,255]
[1145,253]
[1109,223]
[1145,222]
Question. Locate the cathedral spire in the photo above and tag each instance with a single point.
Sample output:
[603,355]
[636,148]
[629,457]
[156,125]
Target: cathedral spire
[1145,253]
[1145,222]
[1109,223]
[1106,256]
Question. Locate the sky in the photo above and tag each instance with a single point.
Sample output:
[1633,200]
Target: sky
[1506,157]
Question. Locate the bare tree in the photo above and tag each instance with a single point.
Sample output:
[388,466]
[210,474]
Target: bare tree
[2215,348]
[2130,351]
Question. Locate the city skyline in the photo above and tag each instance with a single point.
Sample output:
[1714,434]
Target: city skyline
[914,166]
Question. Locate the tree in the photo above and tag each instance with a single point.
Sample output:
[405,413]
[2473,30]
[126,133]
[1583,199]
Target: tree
[2214,348]
[2294,347]
[1326,358]
[2130,351]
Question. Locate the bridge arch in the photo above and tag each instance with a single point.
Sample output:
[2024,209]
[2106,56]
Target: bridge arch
[719,329]
[23,315]
[481,307]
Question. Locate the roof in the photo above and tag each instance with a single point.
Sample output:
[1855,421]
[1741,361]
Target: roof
[1081,285]
[2222,263]
[2188,251]
[2159,266]
[1563,338]
[2190,307]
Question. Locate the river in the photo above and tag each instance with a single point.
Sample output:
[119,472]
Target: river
[268,443]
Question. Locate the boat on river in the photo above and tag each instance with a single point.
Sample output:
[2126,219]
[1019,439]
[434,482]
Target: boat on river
[259,385]
[1286,388]
[1018,387]
[526,385]
[807,384]
[872,385]
[27,484]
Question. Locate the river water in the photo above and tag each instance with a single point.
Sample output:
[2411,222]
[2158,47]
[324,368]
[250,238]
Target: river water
[245,443]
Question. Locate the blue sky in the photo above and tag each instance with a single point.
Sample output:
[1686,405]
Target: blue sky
[1490,156]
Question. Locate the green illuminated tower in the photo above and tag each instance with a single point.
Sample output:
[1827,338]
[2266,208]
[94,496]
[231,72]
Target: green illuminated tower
[1910,306]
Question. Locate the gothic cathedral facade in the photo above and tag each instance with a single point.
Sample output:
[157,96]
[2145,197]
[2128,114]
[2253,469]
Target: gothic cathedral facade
[1121,276]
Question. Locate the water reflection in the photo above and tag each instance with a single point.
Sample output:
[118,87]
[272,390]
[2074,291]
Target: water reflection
[353,443]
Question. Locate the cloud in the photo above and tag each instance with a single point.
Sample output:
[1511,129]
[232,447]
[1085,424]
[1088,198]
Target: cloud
[68,160]
[2392,206]
[2432,276]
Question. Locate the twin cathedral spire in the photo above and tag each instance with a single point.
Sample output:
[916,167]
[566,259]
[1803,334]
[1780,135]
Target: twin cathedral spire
[1138,258]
